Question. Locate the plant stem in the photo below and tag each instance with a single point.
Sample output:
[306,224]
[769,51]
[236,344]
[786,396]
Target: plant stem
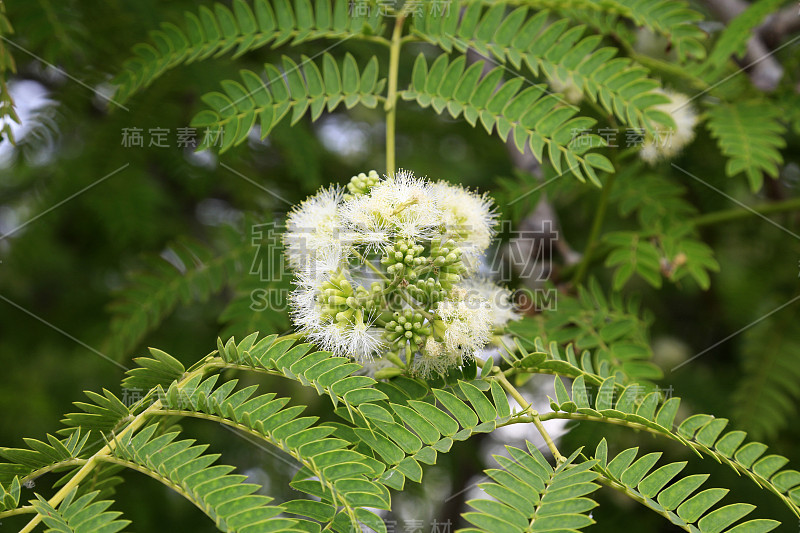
[547,438]
[526,408]
[657,64]
[501,378]
[633,494]
[599,216]
[736,213]
[391,97]
[669,68]
[25,509]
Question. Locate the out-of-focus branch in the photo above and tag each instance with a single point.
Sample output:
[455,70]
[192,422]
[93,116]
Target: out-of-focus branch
[764,70]
[779,24]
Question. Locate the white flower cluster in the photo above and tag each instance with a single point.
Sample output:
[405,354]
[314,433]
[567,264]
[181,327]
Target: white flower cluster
[384,271]
[671,141]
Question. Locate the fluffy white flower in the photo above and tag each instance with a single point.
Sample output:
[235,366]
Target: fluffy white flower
[401,204]
[400,239]
[362,341]
[319,268]
[328,336]
[434,359]
[467,320]
[668,142]
[305,312]
[468,215]
[358,340]
[313,227]
[376,240]
[502,309]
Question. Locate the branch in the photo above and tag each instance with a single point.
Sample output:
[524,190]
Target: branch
[779,25]
[793,204]
[764,70]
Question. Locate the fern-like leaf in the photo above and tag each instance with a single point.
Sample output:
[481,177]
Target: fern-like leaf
[399,421]
[672,19]
[557,51]
[610,325]
[8,112]
[41,457]
[766,398]
[330,470]
[339,476]
[9,494]
[663,206]
[654,256]
[733,40]
[409,430]
[241,29]
[80,514]
[636,407]
[152,293]
[674,500]
[105,413]
[667,245]
[530,495]
[749,134]
[299,88]
[531,116]
[182,466]
[160,369]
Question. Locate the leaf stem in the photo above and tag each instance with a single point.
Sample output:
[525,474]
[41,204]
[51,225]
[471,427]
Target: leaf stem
[391,96]
[669,68]
[736,213]
[25,509]
[597,223]
[534,414]
[605,479]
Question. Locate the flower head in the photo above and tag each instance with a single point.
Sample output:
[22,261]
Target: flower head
[667,143]
[400,205]
[467,322]
[383,272]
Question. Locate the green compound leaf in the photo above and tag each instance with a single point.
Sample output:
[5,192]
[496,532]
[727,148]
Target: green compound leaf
[297,89]
[750,135]
[678,500]
[527,114]
[250,25]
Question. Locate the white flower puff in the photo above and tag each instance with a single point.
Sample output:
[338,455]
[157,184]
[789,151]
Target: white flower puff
[668,142]
[383,273]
